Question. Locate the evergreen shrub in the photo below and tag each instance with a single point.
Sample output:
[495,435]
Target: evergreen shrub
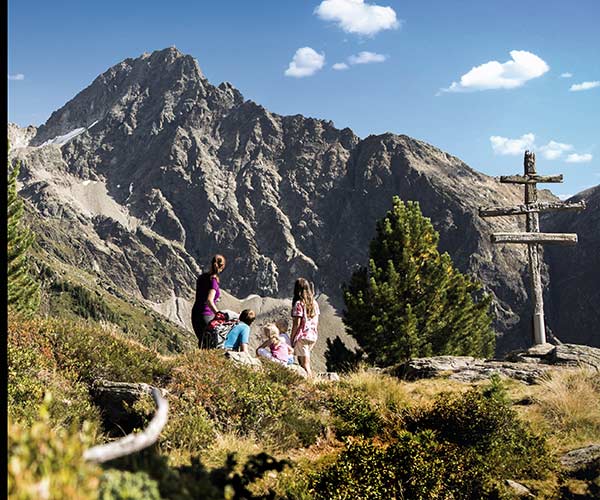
[411,301]
[23,290]
[193,481]
[93,353]
[355,415]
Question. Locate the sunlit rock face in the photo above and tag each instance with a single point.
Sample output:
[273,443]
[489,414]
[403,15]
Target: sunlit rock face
[574,303]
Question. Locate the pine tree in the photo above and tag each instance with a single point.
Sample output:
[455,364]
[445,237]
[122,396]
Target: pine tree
[23,290]
[411,301]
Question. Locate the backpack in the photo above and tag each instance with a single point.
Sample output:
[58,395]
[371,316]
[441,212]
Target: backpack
[217,330]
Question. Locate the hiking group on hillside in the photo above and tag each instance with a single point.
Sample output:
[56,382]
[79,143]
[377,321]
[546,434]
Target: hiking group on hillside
[227,330]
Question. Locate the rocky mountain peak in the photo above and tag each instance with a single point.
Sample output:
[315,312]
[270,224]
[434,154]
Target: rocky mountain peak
[159,79]
[157,170]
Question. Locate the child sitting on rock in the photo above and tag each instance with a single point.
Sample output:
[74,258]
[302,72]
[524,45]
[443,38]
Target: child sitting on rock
[274,347]
[239,336]
[283,324]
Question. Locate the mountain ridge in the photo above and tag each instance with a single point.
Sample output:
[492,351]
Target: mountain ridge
[203,171]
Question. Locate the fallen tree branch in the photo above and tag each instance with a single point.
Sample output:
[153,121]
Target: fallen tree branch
[133,442]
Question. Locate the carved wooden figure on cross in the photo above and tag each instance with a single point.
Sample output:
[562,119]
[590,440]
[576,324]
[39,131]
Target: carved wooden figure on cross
[533,238]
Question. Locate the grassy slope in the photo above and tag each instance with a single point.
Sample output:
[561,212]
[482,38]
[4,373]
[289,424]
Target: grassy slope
[217,408]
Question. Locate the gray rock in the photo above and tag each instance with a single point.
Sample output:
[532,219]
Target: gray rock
[575,355]
[466,369]
[518,490]
[582,463]
[559,355]
[243,358]
[527,366]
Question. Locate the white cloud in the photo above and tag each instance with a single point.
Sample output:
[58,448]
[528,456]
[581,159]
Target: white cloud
[306,62]
[340,66]
[524,66]
[576,87]
[566,75]
[366,58]
[506,146]
[18,76]
[579,158]
[356,16]
[564,196]
[554,150]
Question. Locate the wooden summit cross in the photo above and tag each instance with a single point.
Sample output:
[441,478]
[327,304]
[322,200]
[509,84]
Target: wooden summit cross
[532,237]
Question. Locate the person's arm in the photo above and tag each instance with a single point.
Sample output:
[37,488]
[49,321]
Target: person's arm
[211,300]
[263,345]
[296,322]
[245,338]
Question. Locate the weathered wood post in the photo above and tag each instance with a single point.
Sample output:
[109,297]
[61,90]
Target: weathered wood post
[533,226]
[532,237]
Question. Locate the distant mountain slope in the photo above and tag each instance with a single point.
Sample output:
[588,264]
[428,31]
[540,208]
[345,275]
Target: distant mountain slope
[574,309]
[152,169]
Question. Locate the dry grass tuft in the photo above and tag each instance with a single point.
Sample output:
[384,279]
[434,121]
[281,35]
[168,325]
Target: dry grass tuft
[229,442]
[569,401]
[381,388]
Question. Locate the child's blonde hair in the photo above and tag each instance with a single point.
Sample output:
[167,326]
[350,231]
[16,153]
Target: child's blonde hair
[271,332]
[283,324]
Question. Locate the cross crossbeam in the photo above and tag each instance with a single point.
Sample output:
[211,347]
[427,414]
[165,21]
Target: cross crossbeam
[530,179]
[556,238]
[531,208]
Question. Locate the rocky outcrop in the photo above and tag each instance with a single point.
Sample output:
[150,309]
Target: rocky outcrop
[527,366]
[20,137]
[152,169]
[582,463]
[467,369]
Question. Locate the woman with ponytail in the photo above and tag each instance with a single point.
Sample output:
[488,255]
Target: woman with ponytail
[207,295]
[305,321]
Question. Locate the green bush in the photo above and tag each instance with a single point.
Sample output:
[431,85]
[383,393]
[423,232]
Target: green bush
[193,481]
[484,421]
[123,485]
[356,416]
[463,447]
[189,427]
[47,462]
[25,388]
[238,399]
[416,466]
[33,370]
[92,353]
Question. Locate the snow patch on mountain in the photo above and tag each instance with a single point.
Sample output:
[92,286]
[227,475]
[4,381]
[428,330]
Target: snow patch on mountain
[63,139]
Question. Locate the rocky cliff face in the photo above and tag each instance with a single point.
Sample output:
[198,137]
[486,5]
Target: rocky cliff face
[151,170]
[574,298]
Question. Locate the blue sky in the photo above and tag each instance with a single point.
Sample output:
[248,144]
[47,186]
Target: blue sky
[399,55]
